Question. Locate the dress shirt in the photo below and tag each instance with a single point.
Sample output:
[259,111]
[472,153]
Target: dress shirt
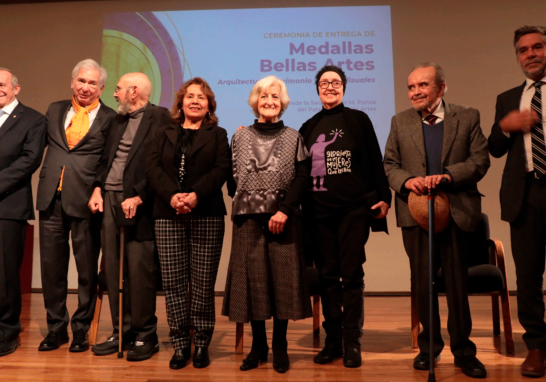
[8,109]
[439,112]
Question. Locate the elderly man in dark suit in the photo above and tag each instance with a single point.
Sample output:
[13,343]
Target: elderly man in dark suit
[121,181]
[433,141]
[519,131]
[22,140]
[76,137]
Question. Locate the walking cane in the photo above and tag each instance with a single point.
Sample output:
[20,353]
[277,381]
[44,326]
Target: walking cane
[121,222]
[431,375]
[121,256]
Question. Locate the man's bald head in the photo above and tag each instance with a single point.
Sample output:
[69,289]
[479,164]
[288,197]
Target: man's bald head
[132,92]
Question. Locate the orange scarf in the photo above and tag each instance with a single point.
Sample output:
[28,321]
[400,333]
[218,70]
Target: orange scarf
[78,127]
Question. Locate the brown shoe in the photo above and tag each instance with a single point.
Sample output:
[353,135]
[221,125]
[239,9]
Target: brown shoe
[533,366]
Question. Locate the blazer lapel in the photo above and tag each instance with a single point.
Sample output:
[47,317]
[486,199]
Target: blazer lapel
[451,124]
[204,135]
[63,113]
[12,119]
[415,130]
[172,134]
[142,131]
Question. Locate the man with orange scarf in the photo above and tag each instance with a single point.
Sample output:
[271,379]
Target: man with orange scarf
[76,137]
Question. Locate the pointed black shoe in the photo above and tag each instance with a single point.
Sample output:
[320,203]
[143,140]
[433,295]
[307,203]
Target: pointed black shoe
[80,342]
[180,358]
[201,357]
[421,362]
[254,358]
[471,366]
[53,341]
[328,354]
[8,347]
[281,362]
[352,357]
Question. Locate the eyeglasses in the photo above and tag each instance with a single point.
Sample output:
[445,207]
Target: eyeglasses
[325,84]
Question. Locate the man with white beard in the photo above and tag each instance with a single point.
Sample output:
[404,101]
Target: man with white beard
[121,181]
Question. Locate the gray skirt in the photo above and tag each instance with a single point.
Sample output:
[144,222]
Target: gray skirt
[266,275]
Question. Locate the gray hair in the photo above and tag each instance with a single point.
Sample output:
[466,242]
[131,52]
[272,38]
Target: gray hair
[527,29]
[91,64]
[14,80]
[264,84]
[440,77]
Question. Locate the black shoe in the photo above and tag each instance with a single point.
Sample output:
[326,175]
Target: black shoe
[8,347]
[421,362]
[471,366]
[281,362]
[110,346]
[142,350]
[80,342]
[180,358]
[201,357]
[352,357]
[53,341]
[328,354]
[254,358]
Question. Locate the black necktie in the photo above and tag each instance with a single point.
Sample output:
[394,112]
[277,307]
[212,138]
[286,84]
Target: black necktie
[431,119]
[537,134]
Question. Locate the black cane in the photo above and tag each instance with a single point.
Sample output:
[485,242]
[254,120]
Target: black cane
[121,223]
[431,375]
[121,256]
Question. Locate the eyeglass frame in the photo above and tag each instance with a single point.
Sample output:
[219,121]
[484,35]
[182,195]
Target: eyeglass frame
[328,83]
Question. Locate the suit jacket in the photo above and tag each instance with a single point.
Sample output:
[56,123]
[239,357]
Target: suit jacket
[362,129]
[464,156]
[209,168]
[80,163]
[22,142]
[513,178]
[134,176]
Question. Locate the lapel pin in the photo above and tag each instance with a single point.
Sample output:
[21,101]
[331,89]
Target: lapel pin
[14,116]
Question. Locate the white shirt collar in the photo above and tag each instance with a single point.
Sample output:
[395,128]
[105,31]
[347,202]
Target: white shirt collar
[529,83]
[8,109]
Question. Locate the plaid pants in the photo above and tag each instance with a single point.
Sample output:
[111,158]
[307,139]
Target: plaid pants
[189,249]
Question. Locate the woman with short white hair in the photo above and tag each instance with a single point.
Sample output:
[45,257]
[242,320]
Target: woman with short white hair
[266,270]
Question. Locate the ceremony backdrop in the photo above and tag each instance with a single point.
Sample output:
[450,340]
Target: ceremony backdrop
[230,41]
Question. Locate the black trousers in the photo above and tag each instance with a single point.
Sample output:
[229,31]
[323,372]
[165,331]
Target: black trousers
[139,299]
[12,246]
[528,235]
[449,254]
[55,228]
[338,245]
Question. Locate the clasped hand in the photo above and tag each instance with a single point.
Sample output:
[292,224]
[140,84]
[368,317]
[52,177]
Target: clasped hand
[184,203]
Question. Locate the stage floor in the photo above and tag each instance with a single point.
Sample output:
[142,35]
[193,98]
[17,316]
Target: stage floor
[387,352]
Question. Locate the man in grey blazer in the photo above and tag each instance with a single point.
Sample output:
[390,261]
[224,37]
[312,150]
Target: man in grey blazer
[433,141]
[76,137]
[519,132]
[22,140]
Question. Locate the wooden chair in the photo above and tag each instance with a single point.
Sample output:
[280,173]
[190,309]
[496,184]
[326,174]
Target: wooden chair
[486,275]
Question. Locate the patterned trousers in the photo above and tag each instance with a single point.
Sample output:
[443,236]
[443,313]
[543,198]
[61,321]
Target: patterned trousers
[189,250]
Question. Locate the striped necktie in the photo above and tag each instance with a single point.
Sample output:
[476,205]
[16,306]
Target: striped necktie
[431,119]
[537,133]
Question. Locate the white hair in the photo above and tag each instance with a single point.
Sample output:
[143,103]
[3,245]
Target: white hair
[91,64]
[14,80]
[264,84]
